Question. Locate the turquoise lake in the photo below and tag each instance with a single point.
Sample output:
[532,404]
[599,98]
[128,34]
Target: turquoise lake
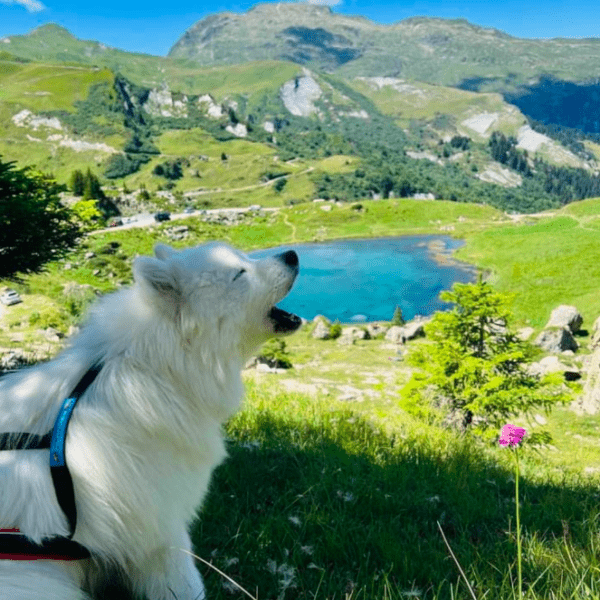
[364,280]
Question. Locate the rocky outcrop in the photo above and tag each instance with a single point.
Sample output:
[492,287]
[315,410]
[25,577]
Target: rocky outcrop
[557,339]
[565,316]
[300,94]
[557,336]
[162,103]
[321,330]
[409,331]
[589,402]
[552,364]
[350,334]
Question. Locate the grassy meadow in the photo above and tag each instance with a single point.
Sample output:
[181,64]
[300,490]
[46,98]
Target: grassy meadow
[331,491]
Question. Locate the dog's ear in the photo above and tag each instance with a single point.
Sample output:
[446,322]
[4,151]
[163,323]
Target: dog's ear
[163,252]
[158,278]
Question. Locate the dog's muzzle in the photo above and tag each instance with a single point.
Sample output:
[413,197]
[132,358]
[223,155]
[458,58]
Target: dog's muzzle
[281,320]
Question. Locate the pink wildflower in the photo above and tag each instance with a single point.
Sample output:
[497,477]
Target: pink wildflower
[511,435]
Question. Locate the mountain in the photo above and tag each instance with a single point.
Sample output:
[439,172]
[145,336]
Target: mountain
[438,51]
[331,118]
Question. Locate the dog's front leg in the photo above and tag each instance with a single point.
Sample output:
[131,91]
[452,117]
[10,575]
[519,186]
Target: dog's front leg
[172,574]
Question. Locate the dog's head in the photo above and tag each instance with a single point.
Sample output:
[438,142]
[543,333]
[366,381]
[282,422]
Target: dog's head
[217,292]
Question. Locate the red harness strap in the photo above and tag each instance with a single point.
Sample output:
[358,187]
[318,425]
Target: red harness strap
[16,546]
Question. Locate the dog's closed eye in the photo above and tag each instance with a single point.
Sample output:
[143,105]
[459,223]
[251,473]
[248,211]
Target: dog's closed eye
[239,274]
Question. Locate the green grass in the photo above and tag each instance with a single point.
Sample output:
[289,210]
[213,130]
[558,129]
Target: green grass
[346,509]
[544,262]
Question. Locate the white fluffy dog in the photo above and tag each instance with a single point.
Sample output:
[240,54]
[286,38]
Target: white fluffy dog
[145,436]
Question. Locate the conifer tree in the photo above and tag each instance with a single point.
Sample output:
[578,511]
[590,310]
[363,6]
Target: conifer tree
[474,366]
[77,183]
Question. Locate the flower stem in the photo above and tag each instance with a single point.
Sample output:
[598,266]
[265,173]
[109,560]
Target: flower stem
[519,571]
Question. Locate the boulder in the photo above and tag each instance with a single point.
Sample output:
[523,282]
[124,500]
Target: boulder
[589,402]
[556,340]
[414,329]
[349,334]
[565,316]
[376,329]
[395,334]
[525,333]
[595,340]
[551,364]
[321,330]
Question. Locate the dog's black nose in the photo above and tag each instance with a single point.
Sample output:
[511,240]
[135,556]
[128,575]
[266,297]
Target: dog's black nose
[290,258]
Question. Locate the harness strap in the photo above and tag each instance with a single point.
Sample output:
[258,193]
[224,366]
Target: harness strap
[15,546]
[19,547]
[24,441]
[63,484]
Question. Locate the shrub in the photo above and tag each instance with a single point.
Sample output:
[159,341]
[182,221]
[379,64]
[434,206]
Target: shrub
[335,331]
[275,355]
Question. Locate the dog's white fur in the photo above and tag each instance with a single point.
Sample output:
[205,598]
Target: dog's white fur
[145,437]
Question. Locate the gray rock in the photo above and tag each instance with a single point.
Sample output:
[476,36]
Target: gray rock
[376,329]
[556,340]
[595,340]
[395,334]
[321,330]
[552,364]
[15,359]
[525,333]
[565,316]
[350,334]
[414,329]
[589,402]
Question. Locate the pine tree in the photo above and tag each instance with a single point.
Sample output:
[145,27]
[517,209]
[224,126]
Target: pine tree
[77,183]
[92,188]
[475,366]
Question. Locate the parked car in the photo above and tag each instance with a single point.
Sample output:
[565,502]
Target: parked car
[189,210]
[162,216]
[10,297]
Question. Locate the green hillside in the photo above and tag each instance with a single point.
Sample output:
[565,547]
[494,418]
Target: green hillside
[221,135]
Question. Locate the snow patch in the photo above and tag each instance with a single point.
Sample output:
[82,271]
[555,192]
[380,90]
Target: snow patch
[26,118]
[481,123]
[80,145]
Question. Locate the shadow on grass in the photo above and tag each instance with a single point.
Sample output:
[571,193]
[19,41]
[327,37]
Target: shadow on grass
[334,509]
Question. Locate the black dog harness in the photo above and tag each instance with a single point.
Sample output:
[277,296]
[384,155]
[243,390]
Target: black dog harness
[13,545]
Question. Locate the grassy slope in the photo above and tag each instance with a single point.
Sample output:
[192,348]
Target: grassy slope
[37,88]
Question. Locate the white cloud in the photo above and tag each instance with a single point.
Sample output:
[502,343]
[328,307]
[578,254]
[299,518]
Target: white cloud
[30,5]
[325,2]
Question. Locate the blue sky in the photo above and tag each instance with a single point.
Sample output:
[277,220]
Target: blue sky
[153,26]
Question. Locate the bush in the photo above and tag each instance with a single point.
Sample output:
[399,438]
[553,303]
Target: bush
[279,184]
[275,355]
[121,165]
[335,331]
[37,227]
